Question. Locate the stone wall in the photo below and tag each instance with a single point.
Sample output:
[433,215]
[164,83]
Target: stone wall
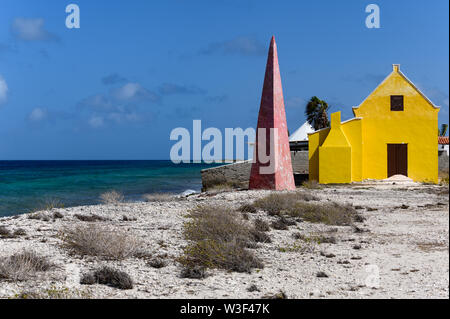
[443,162]
[239,172]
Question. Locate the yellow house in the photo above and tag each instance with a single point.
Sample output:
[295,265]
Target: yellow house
[394,132]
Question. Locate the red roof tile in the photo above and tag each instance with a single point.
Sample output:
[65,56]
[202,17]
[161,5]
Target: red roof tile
[443,139]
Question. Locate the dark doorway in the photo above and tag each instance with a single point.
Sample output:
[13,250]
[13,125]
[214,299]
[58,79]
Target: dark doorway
[397,159]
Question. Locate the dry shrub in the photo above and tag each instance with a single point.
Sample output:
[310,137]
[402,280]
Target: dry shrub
[220,238]
[247,208]
[318,239]
[112,197]
[54,293]
[5,232]
[57,215]
[282,223]
[219,223]
[299,205]
[278,203]
[261,225]
[193,272]
[21,266]
[326,213]
[39,216]
[51,203]
[220,184]
[224,255]
[128,219]
[108,276]
[311,185]
[443,178]
[91,218]
[19,232]
[157,262]
[279,295]
[299,247]
[259,237]
[159,197]
[102,241]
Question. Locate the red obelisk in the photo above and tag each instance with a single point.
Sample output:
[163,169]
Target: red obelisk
[272,167]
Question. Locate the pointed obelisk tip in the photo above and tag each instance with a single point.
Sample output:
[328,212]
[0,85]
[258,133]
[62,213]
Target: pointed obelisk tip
[272,41]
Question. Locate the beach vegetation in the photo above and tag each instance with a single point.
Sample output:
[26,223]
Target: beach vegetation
[301,205]
[193,272]
[112,197]
[298,247]
[278,202]
[108,276]
[315,238]
[157,262]
[5,232]
[39,216]
[91,218]
[54,293]
[21,266]
[101,241]
[261,225]
[443,178]
[160,197]
[220,184]
[313,184]
[220,238]
[247,208]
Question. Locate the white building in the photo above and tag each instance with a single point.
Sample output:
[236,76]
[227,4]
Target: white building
[298,140]
[443,144]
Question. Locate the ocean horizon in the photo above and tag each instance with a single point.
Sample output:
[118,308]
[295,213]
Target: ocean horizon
[27,185]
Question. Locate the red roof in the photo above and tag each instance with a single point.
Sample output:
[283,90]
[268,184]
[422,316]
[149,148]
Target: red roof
[443,139]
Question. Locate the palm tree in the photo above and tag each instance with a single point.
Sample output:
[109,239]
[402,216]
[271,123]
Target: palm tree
[316,113]
[443,130]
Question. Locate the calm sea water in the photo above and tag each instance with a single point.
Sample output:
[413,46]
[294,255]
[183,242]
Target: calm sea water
[26,185]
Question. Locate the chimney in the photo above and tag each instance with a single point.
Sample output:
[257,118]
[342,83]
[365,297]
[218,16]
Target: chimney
[395,67]
[335,120]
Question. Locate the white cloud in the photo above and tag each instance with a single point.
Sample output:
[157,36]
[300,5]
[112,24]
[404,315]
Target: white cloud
[133,91]
[96,121]
[3,90]
[31,29]
[37,114]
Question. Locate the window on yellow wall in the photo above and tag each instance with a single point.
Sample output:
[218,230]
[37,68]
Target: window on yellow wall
[396,102]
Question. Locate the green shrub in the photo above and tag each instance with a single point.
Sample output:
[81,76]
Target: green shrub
[219,239]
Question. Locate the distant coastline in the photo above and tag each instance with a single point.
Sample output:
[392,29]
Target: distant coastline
[29,185]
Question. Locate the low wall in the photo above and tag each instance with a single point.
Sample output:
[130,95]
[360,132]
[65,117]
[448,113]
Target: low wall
[239,172]
[443,162]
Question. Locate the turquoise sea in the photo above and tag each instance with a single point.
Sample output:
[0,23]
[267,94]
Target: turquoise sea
[27,185]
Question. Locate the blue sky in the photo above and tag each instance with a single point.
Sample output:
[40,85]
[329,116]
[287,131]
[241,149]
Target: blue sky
[116,87]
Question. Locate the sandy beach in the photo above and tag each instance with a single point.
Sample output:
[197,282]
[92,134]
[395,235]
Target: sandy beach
[399,249]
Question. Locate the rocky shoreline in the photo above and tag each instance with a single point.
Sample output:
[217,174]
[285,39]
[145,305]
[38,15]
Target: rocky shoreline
[399,249]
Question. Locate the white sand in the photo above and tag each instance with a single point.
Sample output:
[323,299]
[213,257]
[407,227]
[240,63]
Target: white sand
[408,247]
